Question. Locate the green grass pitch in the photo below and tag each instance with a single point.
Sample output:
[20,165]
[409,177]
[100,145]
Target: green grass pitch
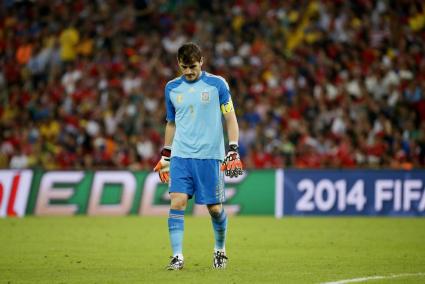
[135,249]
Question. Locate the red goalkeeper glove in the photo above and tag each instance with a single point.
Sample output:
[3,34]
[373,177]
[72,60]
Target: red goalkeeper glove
[232,164]
[163,166]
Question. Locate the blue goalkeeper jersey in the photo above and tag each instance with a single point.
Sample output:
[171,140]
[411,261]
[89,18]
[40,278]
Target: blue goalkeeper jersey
[195,107]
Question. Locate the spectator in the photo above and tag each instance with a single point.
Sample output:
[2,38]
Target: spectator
[318,84]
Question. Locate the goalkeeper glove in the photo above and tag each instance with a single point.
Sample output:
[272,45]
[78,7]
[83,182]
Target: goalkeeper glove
[232,164]
[163,166]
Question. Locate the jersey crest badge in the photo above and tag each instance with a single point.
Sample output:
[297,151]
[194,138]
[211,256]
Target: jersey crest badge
[205,97]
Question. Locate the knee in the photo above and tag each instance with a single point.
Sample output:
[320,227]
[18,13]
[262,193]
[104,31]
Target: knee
[215,210]
[178,203]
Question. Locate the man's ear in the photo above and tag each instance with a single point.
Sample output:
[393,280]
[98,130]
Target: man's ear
[201,61]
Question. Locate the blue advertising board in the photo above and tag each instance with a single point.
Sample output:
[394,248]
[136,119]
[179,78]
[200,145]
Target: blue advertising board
[351,192]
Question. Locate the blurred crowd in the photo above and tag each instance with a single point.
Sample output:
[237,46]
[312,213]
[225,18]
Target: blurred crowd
[316,84]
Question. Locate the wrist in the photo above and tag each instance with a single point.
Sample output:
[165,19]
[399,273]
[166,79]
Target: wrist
[166,151]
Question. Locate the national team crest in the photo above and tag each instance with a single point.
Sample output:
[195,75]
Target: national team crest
[205,97]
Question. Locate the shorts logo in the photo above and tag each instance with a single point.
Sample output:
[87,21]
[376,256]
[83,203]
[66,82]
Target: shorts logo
[205,97]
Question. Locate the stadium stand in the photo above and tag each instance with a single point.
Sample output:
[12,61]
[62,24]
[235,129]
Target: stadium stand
[335,84]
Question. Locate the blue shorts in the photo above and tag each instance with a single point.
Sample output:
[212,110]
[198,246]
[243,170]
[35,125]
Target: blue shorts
[200,178]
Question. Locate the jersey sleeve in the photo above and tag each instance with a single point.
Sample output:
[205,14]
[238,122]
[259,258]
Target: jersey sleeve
[223,91]
[171,111]
[226,103]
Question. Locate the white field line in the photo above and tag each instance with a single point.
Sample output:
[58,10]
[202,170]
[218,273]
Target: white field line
[364,279]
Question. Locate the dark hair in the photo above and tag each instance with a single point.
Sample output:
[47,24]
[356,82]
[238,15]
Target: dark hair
[189,52]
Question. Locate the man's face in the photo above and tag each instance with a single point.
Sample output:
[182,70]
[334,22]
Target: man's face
[191,71]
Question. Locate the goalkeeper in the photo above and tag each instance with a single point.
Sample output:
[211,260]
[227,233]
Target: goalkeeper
[192,156]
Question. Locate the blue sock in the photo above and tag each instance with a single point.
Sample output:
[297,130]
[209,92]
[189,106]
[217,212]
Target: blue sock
[219,222]
[176,229]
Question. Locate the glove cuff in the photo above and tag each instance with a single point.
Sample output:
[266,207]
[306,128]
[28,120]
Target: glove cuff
[166,152]
[234,148]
